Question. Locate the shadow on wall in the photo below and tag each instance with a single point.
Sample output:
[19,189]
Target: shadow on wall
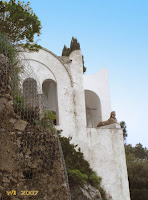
[93,109]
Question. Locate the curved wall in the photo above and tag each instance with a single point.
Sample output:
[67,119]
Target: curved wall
[93,109]
[48,66]
[99,84]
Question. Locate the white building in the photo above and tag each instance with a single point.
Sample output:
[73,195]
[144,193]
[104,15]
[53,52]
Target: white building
[80,103]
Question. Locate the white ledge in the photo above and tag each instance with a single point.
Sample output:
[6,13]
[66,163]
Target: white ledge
[110,126]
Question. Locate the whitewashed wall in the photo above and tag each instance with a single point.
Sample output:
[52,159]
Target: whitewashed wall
[99,84]
[106,155]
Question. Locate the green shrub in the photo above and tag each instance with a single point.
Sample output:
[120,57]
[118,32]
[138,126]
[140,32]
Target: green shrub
[49,116]
[19,99]
[94,180]
[76,177]
[74,159]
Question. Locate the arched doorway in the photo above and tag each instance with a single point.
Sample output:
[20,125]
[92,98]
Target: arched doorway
[49,88]
[93,109]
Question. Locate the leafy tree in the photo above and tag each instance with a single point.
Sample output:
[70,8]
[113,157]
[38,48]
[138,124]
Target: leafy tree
[74,45]
[19,23]
[141,152]
[137,165]
[138,151]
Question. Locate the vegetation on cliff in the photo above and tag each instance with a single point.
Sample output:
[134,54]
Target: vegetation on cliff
[7,48]
[137,166]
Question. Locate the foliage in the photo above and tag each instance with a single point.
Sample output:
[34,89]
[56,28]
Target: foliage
[19,23]
[94,179]
[78,168]
[18,26]
[74,45]
[48,115]
[26,112]
[74,159]
[77,177]
[137,165]
[47,120]
[7,48]
[138,151]
[123,126]
[19,100]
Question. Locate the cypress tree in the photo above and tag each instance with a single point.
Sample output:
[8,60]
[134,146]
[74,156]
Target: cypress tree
[74,45]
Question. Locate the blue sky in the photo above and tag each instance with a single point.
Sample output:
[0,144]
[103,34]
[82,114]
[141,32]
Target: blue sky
[112,34]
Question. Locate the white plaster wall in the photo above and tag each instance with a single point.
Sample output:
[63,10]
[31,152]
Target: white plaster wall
[93,109]
[76,67]
[69,79]
[99,84]
[41,71]
[42,60]
[104,149]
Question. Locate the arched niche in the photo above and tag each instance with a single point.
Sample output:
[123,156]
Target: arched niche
[49,89]
[30,92]
[93,109]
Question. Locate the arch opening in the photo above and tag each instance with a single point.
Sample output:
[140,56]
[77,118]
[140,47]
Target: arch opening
[49,89]
[93,109]
[30,92]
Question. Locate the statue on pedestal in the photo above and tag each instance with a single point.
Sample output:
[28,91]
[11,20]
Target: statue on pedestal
[111,120]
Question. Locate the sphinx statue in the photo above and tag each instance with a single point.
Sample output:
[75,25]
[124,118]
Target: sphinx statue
[111,120]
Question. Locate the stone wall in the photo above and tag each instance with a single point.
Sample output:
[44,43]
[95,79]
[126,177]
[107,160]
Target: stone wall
[29,154]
